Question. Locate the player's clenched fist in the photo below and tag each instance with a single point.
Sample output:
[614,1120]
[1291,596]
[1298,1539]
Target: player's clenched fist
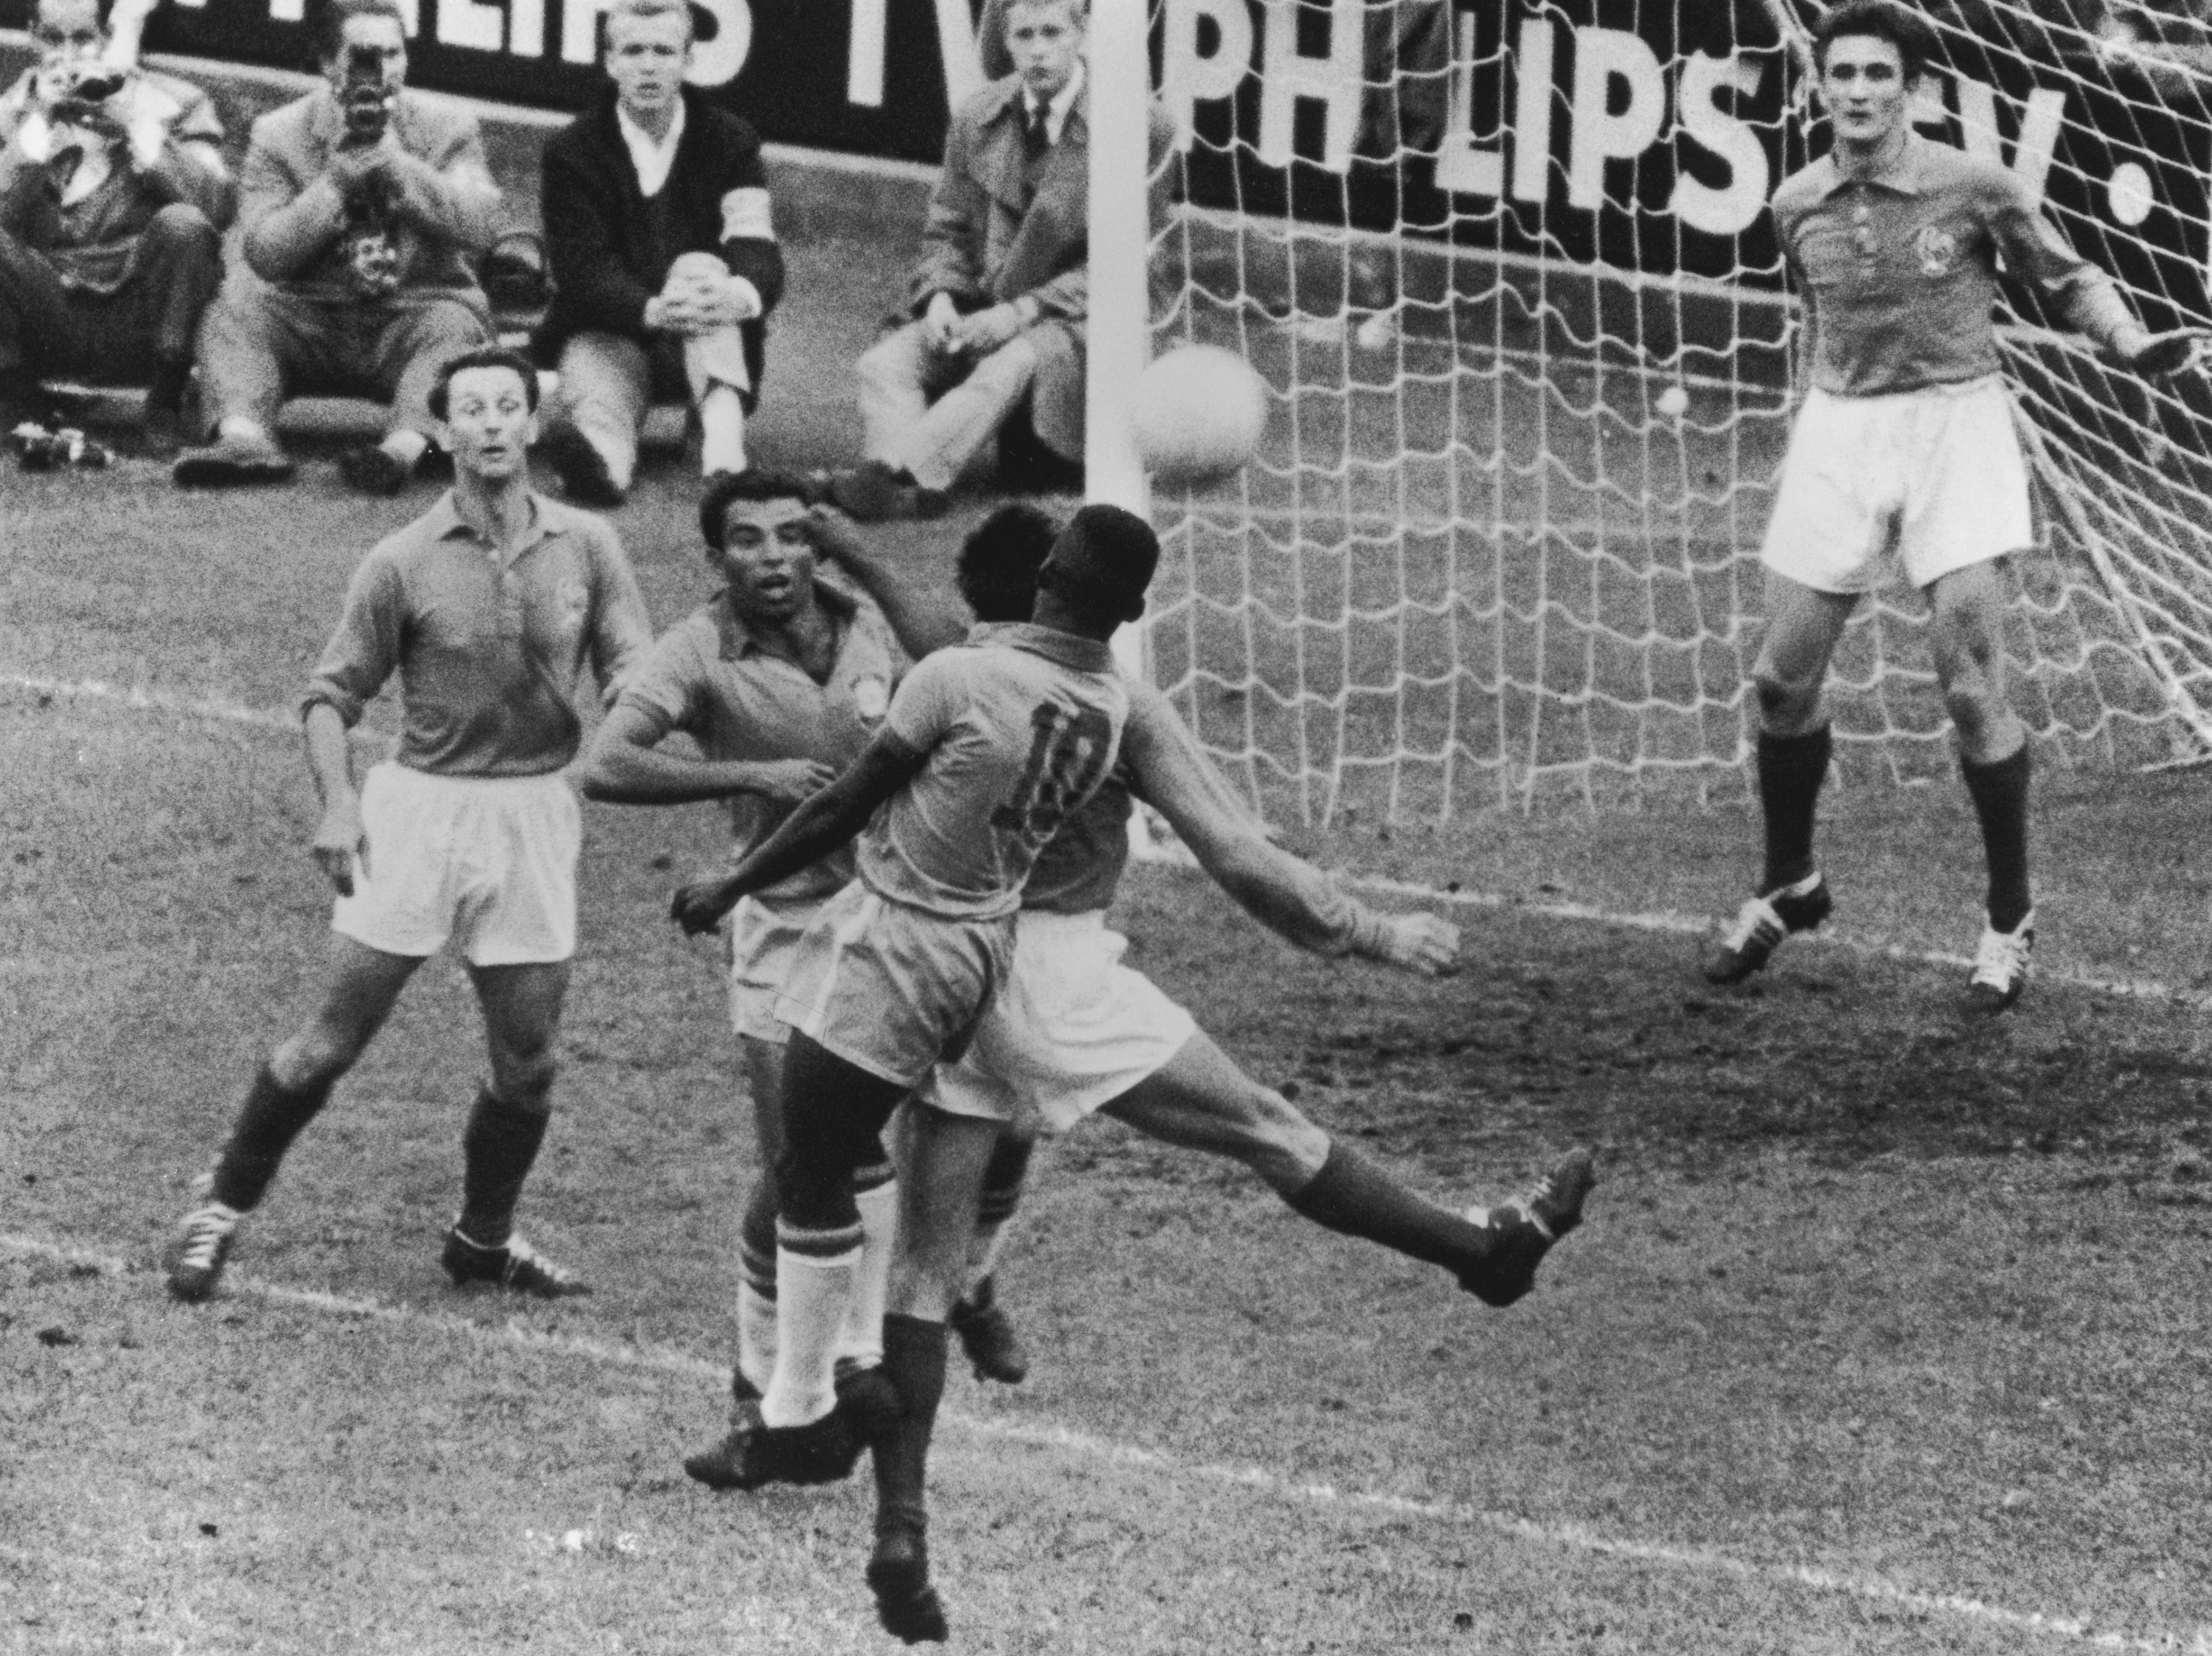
[339,840]
[699,908]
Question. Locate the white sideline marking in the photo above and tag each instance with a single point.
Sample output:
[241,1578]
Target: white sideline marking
[1668,921]
[1561,1537]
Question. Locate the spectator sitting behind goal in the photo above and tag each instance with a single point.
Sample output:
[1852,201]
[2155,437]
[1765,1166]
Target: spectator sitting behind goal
[363,204]
[997,305]
[664,260]
[113,198]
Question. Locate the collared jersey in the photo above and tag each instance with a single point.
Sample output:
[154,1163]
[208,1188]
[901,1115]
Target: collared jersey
[651,156]
[1021,726]
[710,677]
[1898,270]
[489,649]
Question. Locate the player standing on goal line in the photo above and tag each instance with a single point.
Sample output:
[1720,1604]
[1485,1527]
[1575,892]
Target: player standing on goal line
[1073,1032]
[490,607]
[1906,444]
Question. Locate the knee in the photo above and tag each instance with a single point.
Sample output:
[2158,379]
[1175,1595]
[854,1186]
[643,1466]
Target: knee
[181,225]
[525,1078]
[1007,370]
[449,326]
[1280,1144]
[1971,707]
[1783,701]
[317,1056]
[882,367]
[813,1192]
[692,266]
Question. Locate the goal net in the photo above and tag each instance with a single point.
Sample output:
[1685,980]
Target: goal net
[1505,271]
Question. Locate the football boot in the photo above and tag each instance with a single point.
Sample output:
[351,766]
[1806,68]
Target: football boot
[1762,923]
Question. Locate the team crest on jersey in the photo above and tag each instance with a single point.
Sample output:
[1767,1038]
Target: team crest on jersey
[872,697]
[1938,250]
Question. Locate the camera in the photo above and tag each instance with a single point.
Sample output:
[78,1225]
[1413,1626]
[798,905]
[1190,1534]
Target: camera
[365,96]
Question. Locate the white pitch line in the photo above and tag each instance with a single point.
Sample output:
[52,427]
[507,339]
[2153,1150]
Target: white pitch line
[1665,921]
[1558,1536]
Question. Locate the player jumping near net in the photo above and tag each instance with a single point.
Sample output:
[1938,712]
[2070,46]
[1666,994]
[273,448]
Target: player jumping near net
[1906,445]
[780,680]
[1073,1032]
[491,608]
[984,751]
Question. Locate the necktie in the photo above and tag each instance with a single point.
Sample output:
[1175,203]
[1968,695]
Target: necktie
[1036,137]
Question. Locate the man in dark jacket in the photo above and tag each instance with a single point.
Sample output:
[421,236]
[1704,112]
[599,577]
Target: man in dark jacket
[664,257]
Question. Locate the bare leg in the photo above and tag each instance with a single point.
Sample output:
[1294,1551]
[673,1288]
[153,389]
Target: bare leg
[522,1022]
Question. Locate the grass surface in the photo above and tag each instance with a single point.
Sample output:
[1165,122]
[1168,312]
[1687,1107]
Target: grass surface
[1886,1333]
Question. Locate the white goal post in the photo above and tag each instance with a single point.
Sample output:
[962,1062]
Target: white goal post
[1505,271]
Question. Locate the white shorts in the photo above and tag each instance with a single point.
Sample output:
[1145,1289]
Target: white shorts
[1072,1029]
[764,938]
[891,989]
[1935,474]
[489,860]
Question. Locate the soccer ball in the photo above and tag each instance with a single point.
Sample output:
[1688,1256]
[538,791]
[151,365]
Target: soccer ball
[1199,415]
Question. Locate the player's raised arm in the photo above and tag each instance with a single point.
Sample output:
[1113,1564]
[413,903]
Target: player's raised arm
[1171,773]
[922,619]
[820,825]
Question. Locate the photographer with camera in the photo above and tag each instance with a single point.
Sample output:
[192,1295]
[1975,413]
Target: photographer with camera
[113,198]
[364,204]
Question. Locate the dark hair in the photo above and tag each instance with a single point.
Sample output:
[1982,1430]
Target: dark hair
[484,356]
[999,561]
[1883,20]
[754,483]
[326,20]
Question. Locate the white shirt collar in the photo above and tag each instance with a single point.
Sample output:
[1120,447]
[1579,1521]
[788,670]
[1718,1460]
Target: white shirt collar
[1056,112]
[652,160]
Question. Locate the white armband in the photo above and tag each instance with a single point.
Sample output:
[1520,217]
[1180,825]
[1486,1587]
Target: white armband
[745,217]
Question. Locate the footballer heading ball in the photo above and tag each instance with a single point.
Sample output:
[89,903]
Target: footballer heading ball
[1199,414]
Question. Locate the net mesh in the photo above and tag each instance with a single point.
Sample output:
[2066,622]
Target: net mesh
[1531,370]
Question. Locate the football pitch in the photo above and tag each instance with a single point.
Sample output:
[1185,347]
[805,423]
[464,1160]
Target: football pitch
[1886,1333]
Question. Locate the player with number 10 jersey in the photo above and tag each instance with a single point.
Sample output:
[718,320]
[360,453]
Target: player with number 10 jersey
[985,750]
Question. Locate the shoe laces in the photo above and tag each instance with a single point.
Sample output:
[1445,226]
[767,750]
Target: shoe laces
[2001,960]
[205,1231]
[522,1257]
[1756,920]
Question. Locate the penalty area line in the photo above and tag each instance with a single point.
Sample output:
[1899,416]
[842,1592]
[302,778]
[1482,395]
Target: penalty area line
[1570,1538]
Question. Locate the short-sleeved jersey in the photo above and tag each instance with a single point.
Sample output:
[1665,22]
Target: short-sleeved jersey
[710,677]
[491,648]
[1898,270]
[1021,726]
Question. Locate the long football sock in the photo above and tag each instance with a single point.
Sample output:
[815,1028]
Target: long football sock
[2000,796]
[814,1272]
[498,1151]
[860,1341]
[722,431]
[913,1359]
[1351,1194]
[1790,770]
[1004,1177]
[756,1287]
[268,1122]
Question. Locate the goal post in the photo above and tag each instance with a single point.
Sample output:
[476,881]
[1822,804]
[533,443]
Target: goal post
[1531,359]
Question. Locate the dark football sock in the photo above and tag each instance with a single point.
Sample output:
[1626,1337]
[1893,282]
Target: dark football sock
[498,1150]
[1003,1177]
[268,1122]
[756,1238]
[166,388]
[913,1360]
[2000,796]
[1790,770]
[1351,1194]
